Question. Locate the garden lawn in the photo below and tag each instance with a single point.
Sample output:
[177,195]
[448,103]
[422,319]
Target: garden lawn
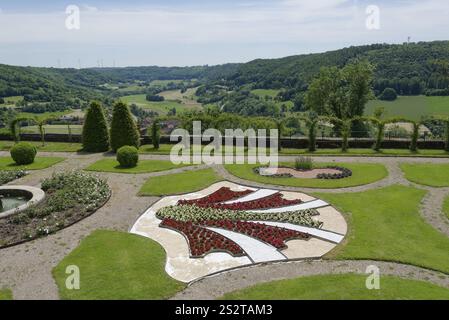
[362,173]
[385,224]
[179,183]
[341,287]
[143,166]
[5,294]
[434,175]
[7,163]
[48,147]
[116,265]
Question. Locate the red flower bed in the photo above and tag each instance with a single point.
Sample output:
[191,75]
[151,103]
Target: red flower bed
[201,240]
[273,201]
[273,235]
[222,194]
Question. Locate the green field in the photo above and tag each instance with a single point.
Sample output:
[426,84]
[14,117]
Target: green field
[43,115]
[55,128]
[341,287]
[11,101]
[385,224]
[413,107]
[159,107]
[446,207]
[117,265]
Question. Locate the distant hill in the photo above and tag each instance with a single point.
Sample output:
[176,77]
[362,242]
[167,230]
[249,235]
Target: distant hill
[409,68]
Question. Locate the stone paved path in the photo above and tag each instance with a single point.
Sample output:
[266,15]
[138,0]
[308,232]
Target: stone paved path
[26,268]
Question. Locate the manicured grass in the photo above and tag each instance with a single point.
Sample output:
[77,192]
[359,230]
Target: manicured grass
[5,294]
[116,265]
[385,224]
[434,175]
[362,173]
[6,163]
[49,146]
[446,207]
[179,183]
[341,287]
[143,166]
[413,107]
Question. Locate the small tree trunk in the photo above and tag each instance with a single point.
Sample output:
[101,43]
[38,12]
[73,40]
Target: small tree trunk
[415,136]
[312,137]
[380,137]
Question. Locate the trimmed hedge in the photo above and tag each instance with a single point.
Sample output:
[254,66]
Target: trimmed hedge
[95,135]
[123,128]
[23,153]
[128,156]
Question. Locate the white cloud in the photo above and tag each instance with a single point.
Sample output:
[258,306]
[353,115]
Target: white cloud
[318,24]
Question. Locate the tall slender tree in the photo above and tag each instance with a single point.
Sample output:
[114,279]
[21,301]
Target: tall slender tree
[95,130]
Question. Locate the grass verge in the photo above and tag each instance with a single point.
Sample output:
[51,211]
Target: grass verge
[362,173]
[6,163]
[5,294]
[385,224]
[341,287]
[179,183]
[434,175]
[143,166]
[116,265]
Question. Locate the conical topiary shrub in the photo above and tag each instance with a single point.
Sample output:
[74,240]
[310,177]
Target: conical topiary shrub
[95,130]
[123,128]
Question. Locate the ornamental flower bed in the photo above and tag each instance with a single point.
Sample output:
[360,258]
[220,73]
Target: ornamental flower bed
[273,201]
[269,234]
[70,197]
[344,173]
[221,195]
[201,240]
[11,175]
[197,214]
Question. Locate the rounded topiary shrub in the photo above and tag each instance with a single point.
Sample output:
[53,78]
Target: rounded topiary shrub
[127,156]
[23,153]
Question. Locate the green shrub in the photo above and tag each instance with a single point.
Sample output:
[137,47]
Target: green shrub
[123,128]
[389,94]
[304,163]
[23,153]
[127,156]
[95,130]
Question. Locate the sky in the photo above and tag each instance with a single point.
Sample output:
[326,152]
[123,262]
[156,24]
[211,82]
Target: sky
[199,32]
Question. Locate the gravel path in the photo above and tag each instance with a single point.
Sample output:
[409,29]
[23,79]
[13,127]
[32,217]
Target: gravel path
[26,268]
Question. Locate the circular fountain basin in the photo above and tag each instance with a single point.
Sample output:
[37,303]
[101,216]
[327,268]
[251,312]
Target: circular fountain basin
[18,198]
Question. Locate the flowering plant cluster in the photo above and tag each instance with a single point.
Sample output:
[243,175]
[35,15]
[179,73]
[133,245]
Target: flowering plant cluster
[221,195]
[10,175]
[70,197]
[196,214]
[274,201]
[272,235]
[344,173]
[201,240]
